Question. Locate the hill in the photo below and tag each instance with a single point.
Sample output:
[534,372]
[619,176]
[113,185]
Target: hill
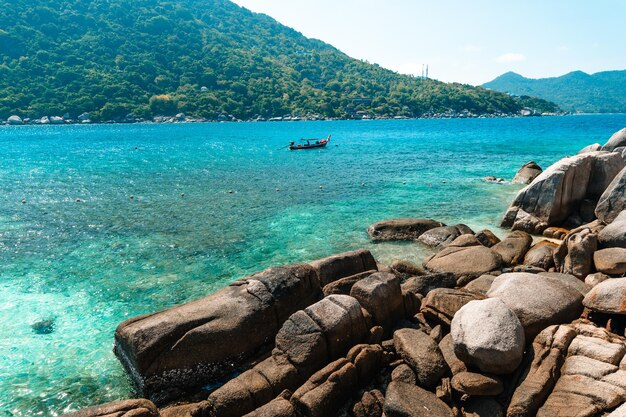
[602,92]
[113,58]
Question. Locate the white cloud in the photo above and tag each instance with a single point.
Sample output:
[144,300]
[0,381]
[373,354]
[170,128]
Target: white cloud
[511,57]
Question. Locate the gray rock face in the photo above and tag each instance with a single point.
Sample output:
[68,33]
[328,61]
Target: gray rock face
[537,300]
[557,193]
[614,235]
[527,173]
[401,229]
[404,400]
[606,167]
[618,139]
[194,343]
[124,408]
[422,354]
[590,148]
[487,334]
[613,200]
[441,237]
[513,248]
[611,261]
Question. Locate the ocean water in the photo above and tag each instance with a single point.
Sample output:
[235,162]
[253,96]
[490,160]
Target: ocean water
[102,223]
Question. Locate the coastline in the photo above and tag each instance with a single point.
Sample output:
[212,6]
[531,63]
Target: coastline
[530,287]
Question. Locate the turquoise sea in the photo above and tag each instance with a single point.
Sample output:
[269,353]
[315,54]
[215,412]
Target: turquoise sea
[100,223]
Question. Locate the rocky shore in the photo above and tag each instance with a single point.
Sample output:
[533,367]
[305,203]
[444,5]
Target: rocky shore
[529,325]
[86,118]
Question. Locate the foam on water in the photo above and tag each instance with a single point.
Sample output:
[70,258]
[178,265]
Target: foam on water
[83,254]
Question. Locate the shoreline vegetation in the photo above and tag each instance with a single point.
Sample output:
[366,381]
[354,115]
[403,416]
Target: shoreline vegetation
[531,324]
[85,118]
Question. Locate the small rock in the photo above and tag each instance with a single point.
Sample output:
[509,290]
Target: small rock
[404,373]
[471,383]
[594,279]
[441,237]
[513,248]
[43,327]
[487,238]
[480,285]
[541,255]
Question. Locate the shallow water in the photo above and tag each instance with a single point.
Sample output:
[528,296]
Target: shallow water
[102,223]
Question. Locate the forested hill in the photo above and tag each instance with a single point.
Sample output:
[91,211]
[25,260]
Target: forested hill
[201,57]
[602,92]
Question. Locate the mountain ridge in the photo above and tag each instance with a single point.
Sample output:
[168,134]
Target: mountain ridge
[576,91]
[206,58]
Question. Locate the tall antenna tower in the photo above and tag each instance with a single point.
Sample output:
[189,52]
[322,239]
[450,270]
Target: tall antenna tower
[426,70]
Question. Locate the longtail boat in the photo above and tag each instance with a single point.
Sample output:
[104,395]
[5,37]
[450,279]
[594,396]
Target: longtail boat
[308,144]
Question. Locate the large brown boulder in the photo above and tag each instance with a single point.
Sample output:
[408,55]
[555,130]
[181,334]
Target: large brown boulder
[613,199]
[421,352]
[557,193]
[426,283]
[124,408]
[527,173]
[464,262]
[617,140]
[405,400]
[380,294]
[611,261]
[197,343]
[513,247]
[541,255]
[401,229]
[537,300]
[343,265]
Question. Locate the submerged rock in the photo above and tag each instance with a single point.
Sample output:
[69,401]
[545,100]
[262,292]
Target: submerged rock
[124,408]
[43,326]
[401,229]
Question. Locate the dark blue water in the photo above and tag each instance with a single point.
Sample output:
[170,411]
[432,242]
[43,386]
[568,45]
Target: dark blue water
[101,223]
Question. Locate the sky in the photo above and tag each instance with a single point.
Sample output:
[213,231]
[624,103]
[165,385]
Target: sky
[465,41]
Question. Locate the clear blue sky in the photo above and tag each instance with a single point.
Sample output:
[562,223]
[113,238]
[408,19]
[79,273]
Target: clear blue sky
[465,41]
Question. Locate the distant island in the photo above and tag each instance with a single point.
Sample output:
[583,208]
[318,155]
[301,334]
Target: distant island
[602,92]
[183,60]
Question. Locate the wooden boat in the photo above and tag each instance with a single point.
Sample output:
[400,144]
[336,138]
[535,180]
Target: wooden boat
[308,144]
